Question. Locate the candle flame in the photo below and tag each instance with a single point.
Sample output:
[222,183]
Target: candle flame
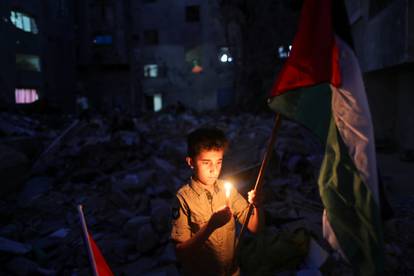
[227,187]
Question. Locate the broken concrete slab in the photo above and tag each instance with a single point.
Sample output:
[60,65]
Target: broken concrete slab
[14,247]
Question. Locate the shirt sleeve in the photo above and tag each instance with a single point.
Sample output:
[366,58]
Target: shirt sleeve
[181,230]
[239,206]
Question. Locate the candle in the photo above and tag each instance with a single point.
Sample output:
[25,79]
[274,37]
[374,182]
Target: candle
[227,188]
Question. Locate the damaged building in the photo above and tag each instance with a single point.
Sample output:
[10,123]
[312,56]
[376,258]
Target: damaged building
[37,58]
[384,42]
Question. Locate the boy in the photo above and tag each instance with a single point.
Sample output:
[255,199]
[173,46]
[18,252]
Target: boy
[203,225]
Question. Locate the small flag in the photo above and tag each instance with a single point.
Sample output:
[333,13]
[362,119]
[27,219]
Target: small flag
[98,263]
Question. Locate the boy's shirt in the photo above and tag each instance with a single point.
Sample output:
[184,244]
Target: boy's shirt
[194,208]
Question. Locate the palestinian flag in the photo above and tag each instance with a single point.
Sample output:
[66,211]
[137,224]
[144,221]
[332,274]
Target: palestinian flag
[321,87]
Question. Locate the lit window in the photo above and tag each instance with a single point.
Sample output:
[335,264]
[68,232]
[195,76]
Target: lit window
[102,40]
[23,22]
[151,70]
[197,69]
[224,55]
[28,62]
[192,13]
[284,53]
[25,96]
[157,102]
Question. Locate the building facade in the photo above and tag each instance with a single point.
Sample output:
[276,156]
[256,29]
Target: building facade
[383,32]
[182,54]
[37,58]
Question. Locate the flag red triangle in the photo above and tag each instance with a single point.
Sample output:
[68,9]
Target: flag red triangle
[101,265]
[314,57]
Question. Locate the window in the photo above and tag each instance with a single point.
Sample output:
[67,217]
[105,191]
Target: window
[157,102]
[376,6]
[153,102]
[284,53]
[28,62]
[102,40]
[151,37]
[23,22]
[192,13]
[151,71]
[224,55]
[25,95]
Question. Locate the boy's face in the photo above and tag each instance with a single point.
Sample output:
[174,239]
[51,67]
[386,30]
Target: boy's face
[207,165]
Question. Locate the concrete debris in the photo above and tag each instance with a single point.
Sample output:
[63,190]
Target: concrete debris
[316,256]
[10,246]
[125,172]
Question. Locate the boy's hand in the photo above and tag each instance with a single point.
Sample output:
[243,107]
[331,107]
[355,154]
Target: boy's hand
[254,199]
[220,218]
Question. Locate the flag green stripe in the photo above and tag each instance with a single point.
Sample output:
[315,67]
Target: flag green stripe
[310,106]
[350,207]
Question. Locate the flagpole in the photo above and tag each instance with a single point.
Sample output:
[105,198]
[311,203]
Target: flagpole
[87,241]
[258,186]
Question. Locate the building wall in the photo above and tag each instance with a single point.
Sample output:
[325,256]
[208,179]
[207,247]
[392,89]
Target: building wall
[15,41]
[179,44]
[105,72]
[383,34]
[53,44]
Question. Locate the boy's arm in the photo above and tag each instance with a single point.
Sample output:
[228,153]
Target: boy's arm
[255,220]
[240,207]
[257,217]
[217,220]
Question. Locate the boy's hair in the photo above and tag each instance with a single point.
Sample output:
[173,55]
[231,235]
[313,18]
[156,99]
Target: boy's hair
[207,138]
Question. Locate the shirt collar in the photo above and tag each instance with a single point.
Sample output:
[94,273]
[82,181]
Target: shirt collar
[199,188]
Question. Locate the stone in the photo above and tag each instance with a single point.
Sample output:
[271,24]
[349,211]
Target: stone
[147,238]
[10,246]
[33,189]
[14,169]
[131,228]
[22,267]
[61,233]
[161,215]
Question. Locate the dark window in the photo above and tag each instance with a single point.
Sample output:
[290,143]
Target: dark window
[151,37]
[192,13]
[28,62]
[376,6]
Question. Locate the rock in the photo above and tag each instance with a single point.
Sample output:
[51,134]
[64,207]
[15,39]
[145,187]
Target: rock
[309,272]
[60,234]
[126,138]
[10,246]
[34,188]
[165,166]
[161,215]
[131,228]
[14,169]
[22,267]
[138,267]
[168,256]
[316,256]
[147,238]
[170,270]
[135,182]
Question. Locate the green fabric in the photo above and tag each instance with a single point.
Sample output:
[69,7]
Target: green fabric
[351,209]
[310,107]
[268,253]
[350,206]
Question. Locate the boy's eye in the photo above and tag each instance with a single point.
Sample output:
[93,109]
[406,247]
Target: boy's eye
[204,162]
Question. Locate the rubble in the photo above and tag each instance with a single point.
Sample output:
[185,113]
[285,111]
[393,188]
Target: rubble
[125,174]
